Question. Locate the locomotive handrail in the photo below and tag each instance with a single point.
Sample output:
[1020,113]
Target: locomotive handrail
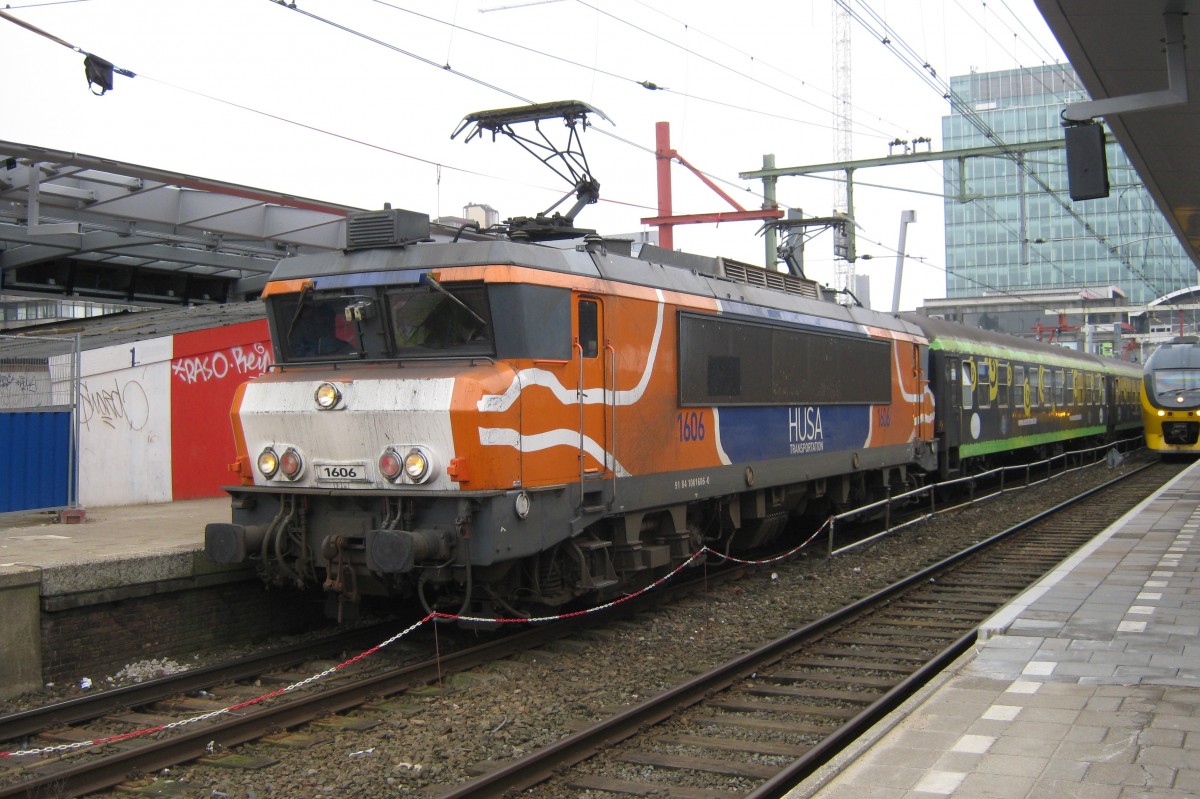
[578,347]
[610,404]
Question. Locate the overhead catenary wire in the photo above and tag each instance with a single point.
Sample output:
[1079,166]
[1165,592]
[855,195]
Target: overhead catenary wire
[986,30]
[458,73]
[303,125]
[643,83]
[758,60]
[97,70]
[439,60]
[878,27]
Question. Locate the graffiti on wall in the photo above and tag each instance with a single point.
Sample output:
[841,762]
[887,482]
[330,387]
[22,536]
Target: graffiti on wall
[114,406]
[24,388]
[239,362]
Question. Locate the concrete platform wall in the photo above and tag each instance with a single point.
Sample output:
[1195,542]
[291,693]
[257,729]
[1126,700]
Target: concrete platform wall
[65,623]
[20,630]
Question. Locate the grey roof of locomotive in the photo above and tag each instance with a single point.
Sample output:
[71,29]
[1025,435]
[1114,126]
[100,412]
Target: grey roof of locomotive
[688,274]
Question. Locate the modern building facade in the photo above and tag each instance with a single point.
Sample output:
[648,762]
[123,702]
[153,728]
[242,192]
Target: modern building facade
[1011,226]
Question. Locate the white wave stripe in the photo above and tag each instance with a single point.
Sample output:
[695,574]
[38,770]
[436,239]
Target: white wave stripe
[922,391]
[537,442]
[725,459]
[498,403]
[924,398]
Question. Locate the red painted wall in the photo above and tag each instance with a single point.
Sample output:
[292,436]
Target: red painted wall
[206,367]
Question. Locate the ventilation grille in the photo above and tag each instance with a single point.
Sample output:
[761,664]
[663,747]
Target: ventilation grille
[778,281]
[390,228]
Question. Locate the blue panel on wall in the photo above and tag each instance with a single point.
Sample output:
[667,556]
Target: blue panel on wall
[35,460]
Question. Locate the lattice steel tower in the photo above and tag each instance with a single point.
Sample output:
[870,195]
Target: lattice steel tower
[843,269]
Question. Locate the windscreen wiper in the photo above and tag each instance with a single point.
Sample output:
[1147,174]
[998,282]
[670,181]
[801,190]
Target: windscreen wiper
[432,282]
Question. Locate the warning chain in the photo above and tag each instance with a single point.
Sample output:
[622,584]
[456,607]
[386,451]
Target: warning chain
[702,552]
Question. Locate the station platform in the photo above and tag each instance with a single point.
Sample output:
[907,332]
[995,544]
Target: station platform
[80,598]
[1086,685]
[111,546]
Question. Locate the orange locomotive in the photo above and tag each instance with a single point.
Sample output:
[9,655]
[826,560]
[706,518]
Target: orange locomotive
[487,425]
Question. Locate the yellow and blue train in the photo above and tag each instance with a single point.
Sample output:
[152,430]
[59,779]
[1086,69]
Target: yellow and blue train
[1171,397]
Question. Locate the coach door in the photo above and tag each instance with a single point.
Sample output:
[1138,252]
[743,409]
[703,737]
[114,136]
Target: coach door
[594,396]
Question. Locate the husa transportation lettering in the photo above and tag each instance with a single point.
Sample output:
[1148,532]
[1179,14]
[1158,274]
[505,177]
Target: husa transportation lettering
[805,433]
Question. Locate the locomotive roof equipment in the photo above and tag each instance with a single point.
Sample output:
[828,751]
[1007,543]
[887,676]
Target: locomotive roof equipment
[568,161]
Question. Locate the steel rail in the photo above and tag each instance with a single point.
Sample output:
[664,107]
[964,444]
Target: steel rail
[546,762]
[29,722]
[182,744]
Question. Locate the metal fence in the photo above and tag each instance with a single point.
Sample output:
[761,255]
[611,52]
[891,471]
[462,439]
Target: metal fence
[39,422]
[1026,475]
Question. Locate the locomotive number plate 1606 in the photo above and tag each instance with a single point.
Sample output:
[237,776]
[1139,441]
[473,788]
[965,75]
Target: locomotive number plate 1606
[341,472]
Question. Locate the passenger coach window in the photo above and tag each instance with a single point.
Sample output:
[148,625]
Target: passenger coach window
[589,328]
[984,379]
[968,384]
[1069,395]
[1004,379]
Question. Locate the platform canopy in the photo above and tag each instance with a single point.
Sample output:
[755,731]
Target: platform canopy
[86,227]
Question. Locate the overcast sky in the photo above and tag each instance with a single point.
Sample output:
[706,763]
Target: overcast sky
[354,101]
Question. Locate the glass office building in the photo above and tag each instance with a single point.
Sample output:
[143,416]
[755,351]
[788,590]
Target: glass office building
[1011,225]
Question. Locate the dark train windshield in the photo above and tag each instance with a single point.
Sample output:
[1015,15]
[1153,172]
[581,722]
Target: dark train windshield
[434,320]
[1172,381]
[427,320]
[316,328]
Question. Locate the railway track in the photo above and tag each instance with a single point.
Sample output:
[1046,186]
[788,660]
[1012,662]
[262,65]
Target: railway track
[167,703]
[168,706]
[757,725]
[357,697]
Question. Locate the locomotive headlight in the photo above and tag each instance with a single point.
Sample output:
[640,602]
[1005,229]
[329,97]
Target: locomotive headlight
[291,464]
[1179,398]
[417,465]
[390,464]
[1162,413]
[268,463]
[327,396]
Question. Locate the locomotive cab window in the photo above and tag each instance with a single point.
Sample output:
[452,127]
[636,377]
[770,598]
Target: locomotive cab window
[434,320]
[314,328]
[589,328]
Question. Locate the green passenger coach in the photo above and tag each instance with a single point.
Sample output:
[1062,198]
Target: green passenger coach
[998,394]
